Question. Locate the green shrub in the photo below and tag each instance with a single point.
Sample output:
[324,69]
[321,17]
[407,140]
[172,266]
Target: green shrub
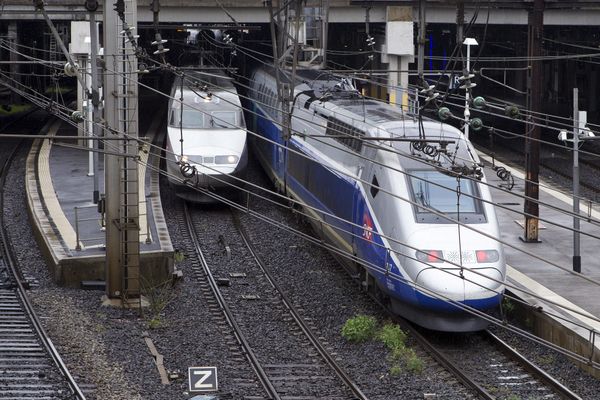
[508,306]
[395,370]
[392,337]
[359,329]
[413,362]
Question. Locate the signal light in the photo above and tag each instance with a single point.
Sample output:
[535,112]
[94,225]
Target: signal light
[430,256]
[487,256]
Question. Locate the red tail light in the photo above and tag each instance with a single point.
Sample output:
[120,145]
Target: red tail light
[430,256]
[487,256]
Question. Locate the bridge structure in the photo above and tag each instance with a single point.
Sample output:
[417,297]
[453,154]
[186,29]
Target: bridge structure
[571,13]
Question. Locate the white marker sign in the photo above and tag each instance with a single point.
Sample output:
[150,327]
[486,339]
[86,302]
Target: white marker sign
[203,379]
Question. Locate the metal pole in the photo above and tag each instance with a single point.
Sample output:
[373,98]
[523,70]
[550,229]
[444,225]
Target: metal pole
[576,243]
[95,100]
[421,38]
[467,112]
[532,144]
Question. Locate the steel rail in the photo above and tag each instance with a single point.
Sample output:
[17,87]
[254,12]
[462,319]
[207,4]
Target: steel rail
[442,359]
[21,291]
[546,378]
[465,379]
[256,365]
[296,316]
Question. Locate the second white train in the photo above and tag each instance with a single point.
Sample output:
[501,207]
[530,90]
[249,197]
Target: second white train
[206,147]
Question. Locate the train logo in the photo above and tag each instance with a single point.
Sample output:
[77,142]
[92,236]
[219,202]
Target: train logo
[367,227]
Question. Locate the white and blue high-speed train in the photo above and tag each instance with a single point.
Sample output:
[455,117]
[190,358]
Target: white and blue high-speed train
[380,188]
[206,136]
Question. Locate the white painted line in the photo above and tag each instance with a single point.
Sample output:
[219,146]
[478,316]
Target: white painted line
[48,195]
[577,313]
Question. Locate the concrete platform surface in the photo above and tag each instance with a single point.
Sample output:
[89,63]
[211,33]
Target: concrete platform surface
[67,223]
[542,273]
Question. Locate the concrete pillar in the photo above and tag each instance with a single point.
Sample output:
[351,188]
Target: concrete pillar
[399,52]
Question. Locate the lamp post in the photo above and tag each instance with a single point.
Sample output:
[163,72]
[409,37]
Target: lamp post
[468,42]
[579,134]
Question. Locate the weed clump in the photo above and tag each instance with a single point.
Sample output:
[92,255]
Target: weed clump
[359,329]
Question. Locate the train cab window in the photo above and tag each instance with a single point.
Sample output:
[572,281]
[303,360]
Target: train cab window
[223,119]
[190,119]
[435,193]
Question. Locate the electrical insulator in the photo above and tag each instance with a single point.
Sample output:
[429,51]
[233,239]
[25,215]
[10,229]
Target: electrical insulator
[142,68]
[91,5]
[444,113]
[77,116]
[476,124]
[512,111]
[370,41]
[479,102]
[159,42]
[71,69]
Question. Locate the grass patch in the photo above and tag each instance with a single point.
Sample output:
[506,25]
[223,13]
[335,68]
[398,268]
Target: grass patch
[363,328]
[178,256]
[507,306]
[159,296]
[359,329]
[392,337]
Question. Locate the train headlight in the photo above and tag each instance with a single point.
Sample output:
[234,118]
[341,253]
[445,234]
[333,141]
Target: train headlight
[231,159]
[487,256]
[430,256]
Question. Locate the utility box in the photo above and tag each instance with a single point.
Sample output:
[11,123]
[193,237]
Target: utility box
[80,37]
[399,38]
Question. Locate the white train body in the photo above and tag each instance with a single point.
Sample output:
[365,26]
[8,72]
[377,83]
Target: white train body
[367,200]
[208,135]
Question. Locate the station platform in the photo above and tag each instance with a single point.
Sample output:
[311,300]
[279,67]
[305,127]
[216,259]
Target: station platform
[567,303]
[68,225]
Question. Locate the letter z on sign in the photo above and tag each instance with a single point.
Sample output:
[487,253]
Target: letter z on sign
[203,379]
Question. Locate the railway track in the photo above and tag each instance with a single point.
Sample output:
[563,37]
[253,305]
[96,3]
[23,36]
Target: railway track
[30,365]
[289,360]
[506,374]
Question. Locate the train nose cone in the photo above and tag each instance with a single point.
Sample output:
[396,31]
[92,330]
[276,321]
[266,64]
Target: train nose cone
[443,283]
[480,287]
[483,283]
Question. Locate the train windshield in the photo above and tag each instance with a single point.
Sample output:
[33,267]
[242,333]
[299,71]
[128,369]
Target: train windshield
[194,119]
[437,193]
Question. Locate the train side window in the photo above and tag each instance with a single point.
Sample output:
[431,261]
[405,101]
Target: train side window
[374,186]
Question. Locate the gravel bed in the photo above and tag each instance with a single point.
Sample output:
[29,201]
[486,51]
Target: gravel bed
[323,290]
[557,365]
[105,346]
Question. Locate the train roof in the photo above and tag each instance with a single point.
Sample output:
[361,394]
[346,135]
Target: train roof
[208,89]
[214,79]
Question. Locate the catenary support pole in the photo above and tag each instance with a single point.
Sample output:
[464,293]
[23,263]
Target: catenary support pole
[576,238]
[532,144]
[112,185]
[421,39]
[96,117]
